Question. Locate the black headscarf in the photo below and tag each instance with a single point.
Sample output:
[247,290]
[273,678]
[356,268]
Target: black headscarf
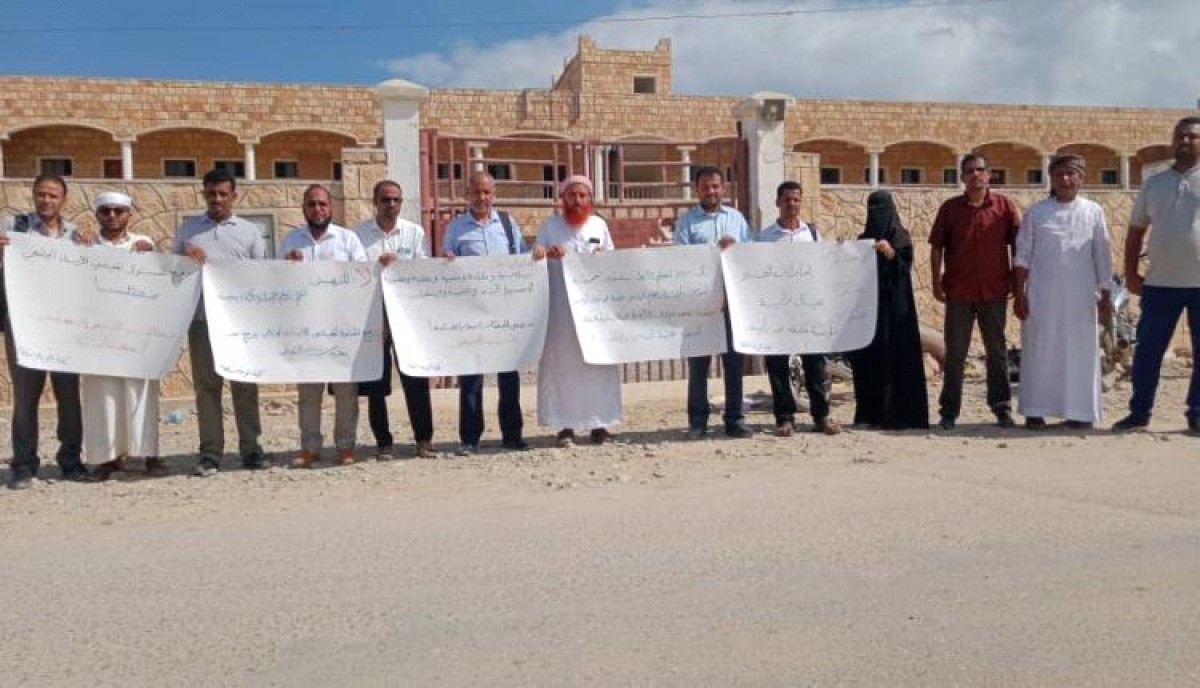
[883,221]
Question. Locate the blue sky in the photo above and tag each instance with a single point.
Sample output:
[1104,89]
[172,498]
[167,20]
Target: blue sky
[1070,52]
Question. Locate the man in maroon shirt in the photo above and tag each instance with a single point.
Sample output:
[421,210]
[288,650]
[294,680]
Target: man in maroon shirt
[973,239]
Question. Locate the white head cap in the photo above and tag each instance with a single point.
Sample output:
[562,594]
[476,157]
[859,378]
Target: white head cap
[111,198]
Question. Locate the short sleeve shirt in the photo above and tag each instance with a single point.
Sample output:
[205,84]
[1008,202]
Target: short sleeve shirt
[467,236]
[337,243]
[978,243]
[1169,203]
[404,241]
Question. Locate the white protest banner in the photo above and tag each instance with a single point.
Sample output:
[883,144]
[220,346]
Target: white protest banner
[98,310]
[484,314]
[646,304]
[303,321]
[801,297]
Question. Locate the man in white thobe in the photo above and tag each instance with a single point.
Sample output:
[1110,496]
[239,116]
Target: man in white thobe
[571,392]
[1063,288]
[120,414]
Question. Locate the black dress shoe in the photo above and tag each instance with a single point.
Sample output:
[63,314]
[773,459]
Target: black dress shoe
[20,480]
[515,445]
[738,431]
[77,474]
[946,423]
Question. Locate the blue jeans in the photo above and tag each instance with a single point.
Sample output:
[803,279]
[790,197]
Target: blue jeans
[697,399]
[470,407]
[1161,308]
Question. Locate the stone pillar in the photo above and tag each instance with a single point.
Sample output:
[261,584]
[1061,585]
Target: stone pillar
[1046,158]
[126,158]
[873,177]
[599,178]
[762,116]
[477,149]
[685,170]
[250,160]
[1126,183]
[401,102]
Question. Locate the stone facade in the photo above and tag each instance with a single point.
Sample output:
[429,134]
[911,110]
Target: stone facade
[610,113]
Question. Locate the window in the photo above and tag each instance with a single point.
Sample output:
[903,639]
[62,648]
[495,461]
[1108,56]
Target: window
[179,168]
[63,167]
[999,177]
[235,167]
[1034,177]
[867,175]
[950,176]
[1110,177]
[336,172]
[644,84]
[500,171]
[831,175]
[286,169]
[910,175]
[444,170]
[111,168]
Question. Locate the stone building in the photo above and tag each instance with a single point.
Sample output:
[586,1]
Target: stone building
[610,114]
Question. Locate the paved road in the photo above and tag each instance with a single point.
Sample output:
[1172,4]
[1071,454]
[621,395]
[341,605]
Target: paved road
[945,570]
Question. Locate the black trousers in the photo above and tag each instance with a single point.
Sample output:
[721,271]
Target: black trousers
[27,387]
[783,400]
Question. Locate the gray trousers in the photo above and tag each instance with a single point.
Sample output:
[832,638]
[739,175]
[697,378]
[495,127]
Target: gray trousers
[345,415]
[208,385]
[961,317]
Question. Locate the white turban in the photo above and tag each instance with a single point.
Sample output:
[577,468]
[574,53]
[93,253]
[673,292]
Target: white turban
[111,198]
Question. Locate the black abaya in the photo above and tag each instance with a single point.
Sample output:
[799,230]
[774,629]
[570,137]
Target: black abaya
[889,375]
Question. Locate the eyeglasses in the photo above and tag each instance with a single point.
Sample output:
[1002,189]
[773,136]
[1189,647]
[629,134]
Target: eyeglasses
[109,210]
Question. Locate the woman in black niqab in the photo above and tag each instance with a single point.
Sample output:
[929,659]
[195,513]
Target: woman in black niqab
[889,375]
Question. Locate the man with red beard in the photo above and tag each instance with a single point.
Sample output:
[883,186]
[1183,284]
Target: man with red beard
[571,392]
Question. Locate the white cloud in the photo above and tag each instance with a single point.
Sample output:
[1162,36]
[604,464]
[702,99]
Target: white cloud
[1073,52]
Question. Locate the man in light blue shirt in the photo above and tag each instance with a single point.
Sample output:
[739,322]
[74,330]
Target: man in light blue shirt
[711,222]
[484,231]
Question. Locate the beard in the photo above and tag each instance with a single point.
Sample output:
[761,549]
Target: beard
[577,216]
[320,226]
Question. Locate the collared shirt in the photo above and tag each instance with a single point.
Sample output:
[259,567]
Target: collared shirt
[978,242]
[337,243]
[406,240]
[466,236]
[777,232]
[1169,203]
[698,226]
[33,223]
[233,238]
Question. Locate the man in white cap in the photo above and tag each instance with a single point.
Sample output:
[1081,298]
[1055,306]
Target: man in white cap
[49,193]
[219,234]
[320,239]
[120,415]
[571,392]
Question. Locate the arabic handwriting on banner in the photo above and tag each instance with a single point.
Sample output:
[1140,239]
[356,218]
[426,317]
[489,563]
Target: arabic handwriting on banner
[646,304]
[111,311]
[275,321]
[467,316]
[801,297]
